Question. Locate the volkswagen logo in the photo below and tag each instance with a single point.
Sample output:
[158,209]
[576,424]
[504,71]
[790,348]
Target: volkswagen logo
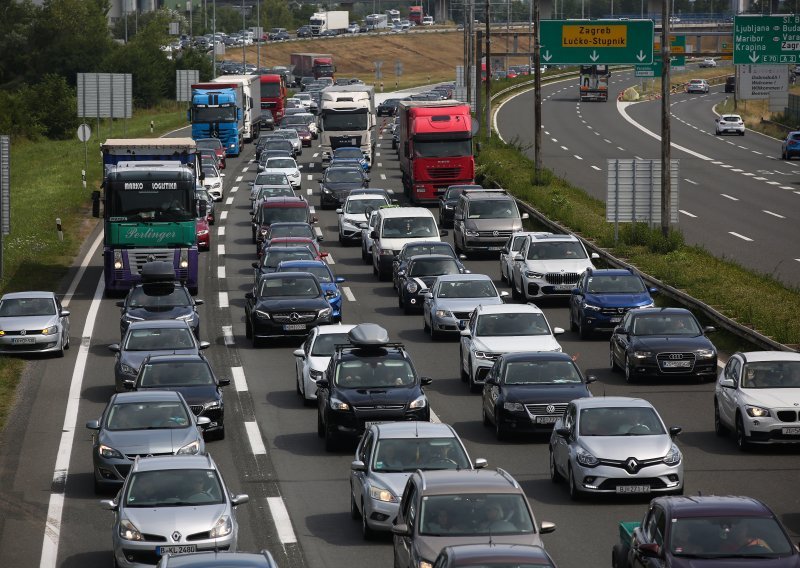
[495,233]
[550,409]
[22,332]
[176,536]
[151,258]
[632,465]
[675,356]
[294,316]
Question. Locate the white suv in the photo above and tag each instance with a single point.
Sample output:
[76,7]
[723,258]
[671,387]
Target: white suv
[494,330]
[549,265]
[353,214]
[396,226]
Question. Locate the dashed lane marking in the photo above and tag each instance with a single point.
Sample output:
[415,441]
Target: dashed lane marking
[239,178]
[238,379]
[221,231]
[329,259]
[748,239]
[227,335]
[256,443]
[691,181]
[773,214]
[308,191]
[688,214]
[348,294]
[220,250]
[280,516]
[595,168]
[223,300]
[726,196]
[318,231]
[220,272]
[234,189]
[223,215]
[383,176]
[229,201]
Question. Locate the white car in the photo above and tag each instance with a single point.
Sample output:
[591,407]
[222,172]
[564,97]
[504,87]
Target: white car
[213,181]
[708,62]
[697,86]
[352,216]
[287,166]
[313,357]
[757,397]
[427,20]
[494,330]
[396,227]
[729,123]
[366,238]
[304,98]
[510,250]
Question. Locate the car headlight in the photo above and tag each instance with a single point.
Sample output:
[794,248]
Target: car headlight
[192,448]
[472,233]
[412,287]
[186,317]
[212,404]
[533,274]
[757,411]
[705,353]
[118,260]
[591,307]
[127,369]
[223,527]
[324,312]
[444,314]
[129,318]
[446,206]
[326,191]
[128,531]
[425,564]
[419,402]
[262,314]
[513,406]
[315,375]
[483,355]
[387,252]
[381,494]
[337,404]
[585,458]
[202,232]
[674,456]
[108,452]
[50,330]
[217,185]
[642,354]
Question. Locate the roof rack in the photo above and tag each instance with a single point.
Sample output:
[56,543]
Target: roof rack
[485,190]
[508,477]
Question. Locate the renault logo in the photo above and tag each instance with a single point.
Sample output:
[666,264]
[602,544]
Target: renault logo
[550,409]
[294,316]
[675,356]
[22,332]
[176,536]
[632,465]
[151,258]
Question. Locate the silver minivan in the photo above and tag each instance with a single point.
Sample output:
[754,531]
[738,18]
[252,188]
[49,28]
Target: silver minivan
[484,219]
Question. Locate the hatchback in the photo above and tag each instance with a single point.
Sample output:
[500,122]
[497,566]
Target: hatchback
[33,322]
[729,124]
[790,147]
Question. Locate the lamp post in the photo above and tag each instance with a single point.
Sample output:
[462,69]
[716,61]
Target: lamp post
[260,32]
[244,43]
[214,34]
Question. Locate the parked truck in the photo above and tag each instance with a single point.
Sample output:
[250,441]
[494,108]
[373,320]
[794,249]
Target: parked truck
[347,118]
[249,93]
[376,22]
[313,65]
[337,21]
[434,147]
[594,82]
[216,112]
[150,209]
[273,95]
[415,14]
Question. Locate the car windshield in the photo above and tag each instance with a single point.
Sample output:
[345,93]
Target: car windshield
[412,250]
[16,307]
[467,289]
[442,148]
[556,251]
[475,514]
[275,256]
[293,120]
[361,206]
[337,175]
[374,373]
[432,266]
[615,285]
[278,230]
[290,286]
[212,143]
[771,375]
[156,339]
[729,537]
[148,415]
[325,344]
[348,153]
[275,191]
[398,455]
[272,179]
[673,324]
[271,215]
[176,374]
[513,324]
[409,227]
[174,488]
[281,163]
[287,134]
[210,171]
[321,272]
[541,373]
[178,297]
[492,209]
[453,193]
[620,421]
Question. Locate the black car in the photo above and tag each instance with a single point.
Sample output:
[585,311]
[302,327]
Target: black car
[192,376]
[279,36]
[388,107]
[267,119]
[329,33]
[374,376]
[304,82]
[304,31]
[337,182]
[273,256]
[730,84]
[159,296]
[527,392]
[493,555]
[417,248]
[662,342]
[285,304]
[448,201]
[416,280]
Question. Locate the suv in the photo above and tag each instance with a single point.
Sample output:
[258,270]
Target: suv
[448,201]
[549,266]
[602,297]
[353,216]
[370,380]
[484,219]
[394,228]
[730,84]
[444,508]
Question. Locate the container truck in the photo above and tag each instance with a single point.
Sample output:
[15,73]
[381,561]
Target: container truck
[434,147]
[337,21]
[313,65]
[347,118]
[415,15]
[594,82]
[376,22]
[216,112]
[273,95]
[150,209]
[249,94]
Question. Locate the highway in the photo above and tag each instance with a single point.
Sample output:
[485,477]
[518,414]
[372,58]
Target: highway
[738,200]
[299,507]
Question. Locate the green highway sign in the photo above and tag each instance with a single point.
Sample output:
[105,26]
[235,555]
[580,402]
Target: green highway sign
[766,40]
[677,48]
[585,42]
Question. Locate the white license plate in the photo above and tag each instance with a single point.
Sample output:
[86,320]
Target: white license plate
[633,489]
[561,287]
[676,364]
[495,248]
[294,326]
[373,422]
[790,431]
[615,320]
[176,549]
[24,340]
[546,419]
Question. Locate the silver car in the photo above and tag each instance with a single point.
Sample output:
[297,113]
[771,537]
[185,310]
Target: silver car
[313,357]
[172,505]
[140,424]
[452,300]
[290,134]
[615,445]
[33,322]
[385,458]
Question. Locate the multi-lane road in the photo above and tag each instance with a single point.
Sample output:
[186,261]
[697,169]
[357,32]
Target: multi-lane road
[299,506]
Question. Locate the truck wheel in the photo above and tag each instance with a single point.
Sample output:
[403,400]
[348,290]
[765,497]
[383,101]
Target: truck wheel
[193,290]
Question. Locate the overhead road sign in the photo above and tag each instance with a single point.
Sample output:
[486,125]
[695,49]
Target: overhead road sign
[587,42]
[766,40]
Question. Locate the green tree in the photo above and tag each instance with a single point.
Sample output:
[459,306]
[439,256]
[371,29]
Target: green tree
[276,14]
[16,20]
[195,59]
[57,118]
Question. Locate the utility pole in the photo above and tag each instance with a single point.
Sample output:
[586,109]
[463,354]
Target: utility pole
[537,98]
[488,56]
[478,57]
[244,43]
[666,185]
[214,38]
[260,31]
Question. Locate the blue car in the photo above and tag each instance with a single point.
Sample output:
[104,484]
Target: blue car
[602,297]
[327,280]
[350,154]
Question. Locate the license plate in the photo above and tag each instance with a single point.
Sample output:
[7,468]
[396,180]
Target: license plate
[546,419]
[789,431]
[561,287]
[24,340]
[633,489]
[176,549]
[294,326]
[615,320]
[371,423]
[676,364]
[495,248]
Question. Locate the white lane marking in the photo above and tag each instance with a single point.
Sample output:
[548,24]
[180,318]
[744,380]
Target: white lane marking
[227,335]
[606,140]
[589,127]
[577,157]
[688,214]
[234,189]
[55,506]
[312,210]
[315,155]
[377,154]
[737,170]
[773,214]
[383,176]
[254,437]
[743,147]
[223,215]
[726,166]
[220,250]
[310,177]
[280,516]
[749,240]
[621,106]
[546,132]
[239,381]
[726,196]
[221,231]
[434,418]
[380,165]
[554,141]
[773,182]
[716,163]
[595,168]
[757,152]
[244,169]
[760,178]
[620,148]
[78,275]
[748,174]
[318,231]
[691,181]
[348,294]
[229,201]
[220,272]
[786,187]
[329,259]
[239,178]
[565,148]
[797,259]
[378,145]
[223,300]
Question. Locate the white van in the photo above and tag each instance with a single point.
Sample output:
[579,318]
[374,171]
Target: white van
[396,226]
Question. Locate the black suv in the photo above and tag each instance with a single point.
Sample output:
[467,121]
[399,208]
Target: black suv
[369,380]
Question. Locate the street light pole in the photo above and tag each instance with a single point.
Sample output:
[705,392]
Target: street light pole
[244,42]
[259,31]
[214,34]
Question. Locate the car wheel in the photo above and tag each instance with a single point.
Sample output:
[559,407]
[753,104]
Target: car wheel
[464,376]
[253,237]
[248,328]
[375,270]
[330,441]
[408,309]
[611,361]
[434,333]
[67,342]
[473,386]
[583,332]
[555,477]
[574,492]
[486,421]
[719,427]
[499,433]
[320,426]
[60,352]
[400,300]
[514,293]
[716,132]
[742,441]
[220,434]
[354,513]
[364,256]
[741,133]
[572,325]
[425,327]
[503,273]
[342,241]
[366,531]
[297,386]
[629,377]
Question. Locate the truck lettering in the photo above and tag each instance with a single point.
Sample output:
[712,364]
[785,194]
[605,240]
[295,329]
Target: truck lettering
[137,233]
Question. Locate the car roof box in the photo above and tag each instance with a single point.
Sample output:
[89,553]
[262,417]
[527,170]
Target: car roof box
[158,278]
[368,335]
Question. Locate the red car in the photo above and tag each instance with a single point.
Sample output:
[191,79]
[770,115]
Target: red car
[213,144]
[304,134]
[309,243]
[512,74]
[203,234]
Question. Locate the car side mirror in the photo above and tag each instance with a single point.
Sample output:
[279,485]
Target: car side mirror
[576,291]
[727,383]
[653,291]
[323,254]
[251,183]
[429,295]
[358,465]
[240,499]
[564,432]
[619,331]
[547,527]
[204,345]
[199,302]
[649,550]
[594,256]
[491,381]
[591,379]
[401,529]
[519,258]
[314,219]
[121,303]
[465,332]
[93,424]
[223,382]
[128,384]
[322,383]
[504,250]
[480,463]
[443,233]
[203,420]
[525,216]
[114,348]
[425,381]
[373,235]
[320,239]
[249,296]
[462,257]
[340,279]
[299,353]
[254,264]
[339,211]
[709,329]
[558,330]
[108,504]
[674,431]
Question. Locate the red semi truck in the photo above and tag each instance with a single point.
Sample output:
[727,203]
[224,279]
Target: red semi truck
[415,15]
[273,95]
[313,65]
[435,147]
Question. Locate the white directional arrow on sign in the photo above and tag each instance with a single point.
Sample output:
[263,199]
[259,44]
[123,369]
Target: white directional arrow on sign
[753,57]
[641,56]
[594,56]
[547,56]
